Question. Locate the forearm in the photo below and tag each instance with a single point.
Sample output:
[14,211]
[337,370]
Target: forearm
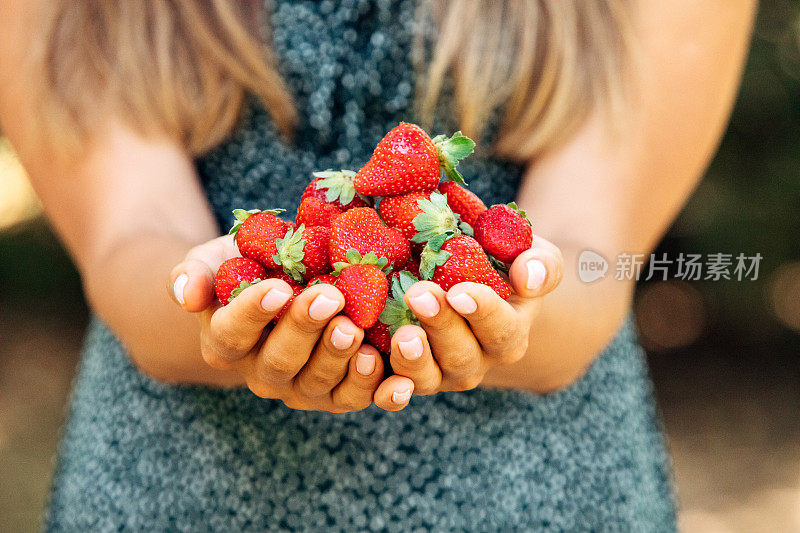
[577,320]
[126,289]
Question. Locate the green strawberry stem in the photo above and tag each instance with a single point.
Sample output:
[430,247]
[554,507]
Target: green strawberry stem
[396,313]
[242,286]
[451,151]
[338,185]
[436,219]
[354,258]
[291,252]
[515,207]
[431,257]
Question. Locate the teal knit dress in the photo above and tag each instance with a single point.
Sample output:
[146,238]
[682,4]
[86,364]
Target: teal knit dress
[140,455]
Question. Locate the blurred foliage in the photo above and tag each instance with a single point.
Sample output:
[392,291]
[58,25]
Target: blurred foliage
[749,200]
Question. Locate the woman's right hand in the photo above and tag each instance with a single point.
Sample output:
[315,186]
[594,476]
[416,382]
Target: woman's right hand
[311,360]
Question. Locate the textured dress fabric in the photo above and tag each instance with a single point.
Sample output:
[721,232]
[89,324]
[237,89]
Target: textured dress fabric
[140,455]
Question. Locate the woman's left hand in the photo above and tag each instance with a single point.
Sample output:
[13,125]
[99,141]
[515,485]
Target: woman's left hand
[470,329]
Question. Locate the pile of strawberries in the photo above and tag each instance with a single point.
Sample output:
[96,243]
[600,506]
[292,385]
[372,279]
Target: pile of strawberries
[421,229]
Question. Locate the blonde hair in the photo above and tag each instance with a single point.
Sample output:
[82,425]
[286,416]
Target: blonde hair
[184,68]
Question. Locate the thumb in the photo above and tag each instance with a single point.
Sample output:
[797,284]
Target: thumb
[537,271]
[191,282]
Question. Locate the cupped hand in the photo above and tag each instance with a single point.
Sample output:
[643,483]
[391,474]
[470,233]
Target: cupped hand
[469,329]
[311,360]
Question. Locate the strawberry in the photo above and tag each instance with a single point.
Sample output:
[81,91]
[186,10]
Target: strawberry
[330,279]
[361,228]
[379,337]
[315,212]
[363,284]
[407,160]
[297,289]
[398,212]
[413,268]
[464,202]
[234,276]
[504,232]
[461,259]
[303,253]
[255,233]
[336,188]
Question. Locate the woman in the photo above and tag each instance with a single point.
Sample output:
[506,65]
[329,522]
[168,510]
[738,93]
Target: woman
[600,117]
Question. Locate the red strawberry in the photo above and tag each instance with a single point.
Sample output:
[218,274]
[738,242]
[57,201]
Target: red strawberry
[255,233]
[303,253]
[398,212]
[234,276]
[407,160]
[504,232]
[297,289]
[379,337]
[361,228]
[461,259]
[314,212]
[330,279]
[464,202]
[364,287]
[413,267]
[335,188]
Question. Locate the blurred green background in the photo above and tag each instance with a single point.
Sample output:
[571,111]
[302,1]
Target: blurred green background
[724,354]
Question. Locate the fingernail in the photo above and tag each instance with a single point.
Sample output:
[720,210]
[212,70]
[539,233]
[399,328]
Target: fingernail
[401,397]
[412,349]
[274,300]
[322,307]
[463,303]
[425,304]
[365,363]
[341,340]
[177,288]
[536,274]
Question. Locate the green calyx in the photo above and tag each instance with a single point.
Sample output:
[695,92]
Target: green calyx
[242,286]
[338,185]
[354,258]
[515,207]
[291,252]
[451,151]
[396,313]
[433,255]
[436,219]
[241,215]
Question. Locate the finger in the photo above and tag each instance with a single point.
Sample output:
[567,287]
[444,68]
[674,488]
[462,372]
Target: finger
[230,332]
[191,283]
[453,345]
[537,271]
[328,364]
[501,329]
[288,347]
[411,357]
[364,374]
[394,393]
